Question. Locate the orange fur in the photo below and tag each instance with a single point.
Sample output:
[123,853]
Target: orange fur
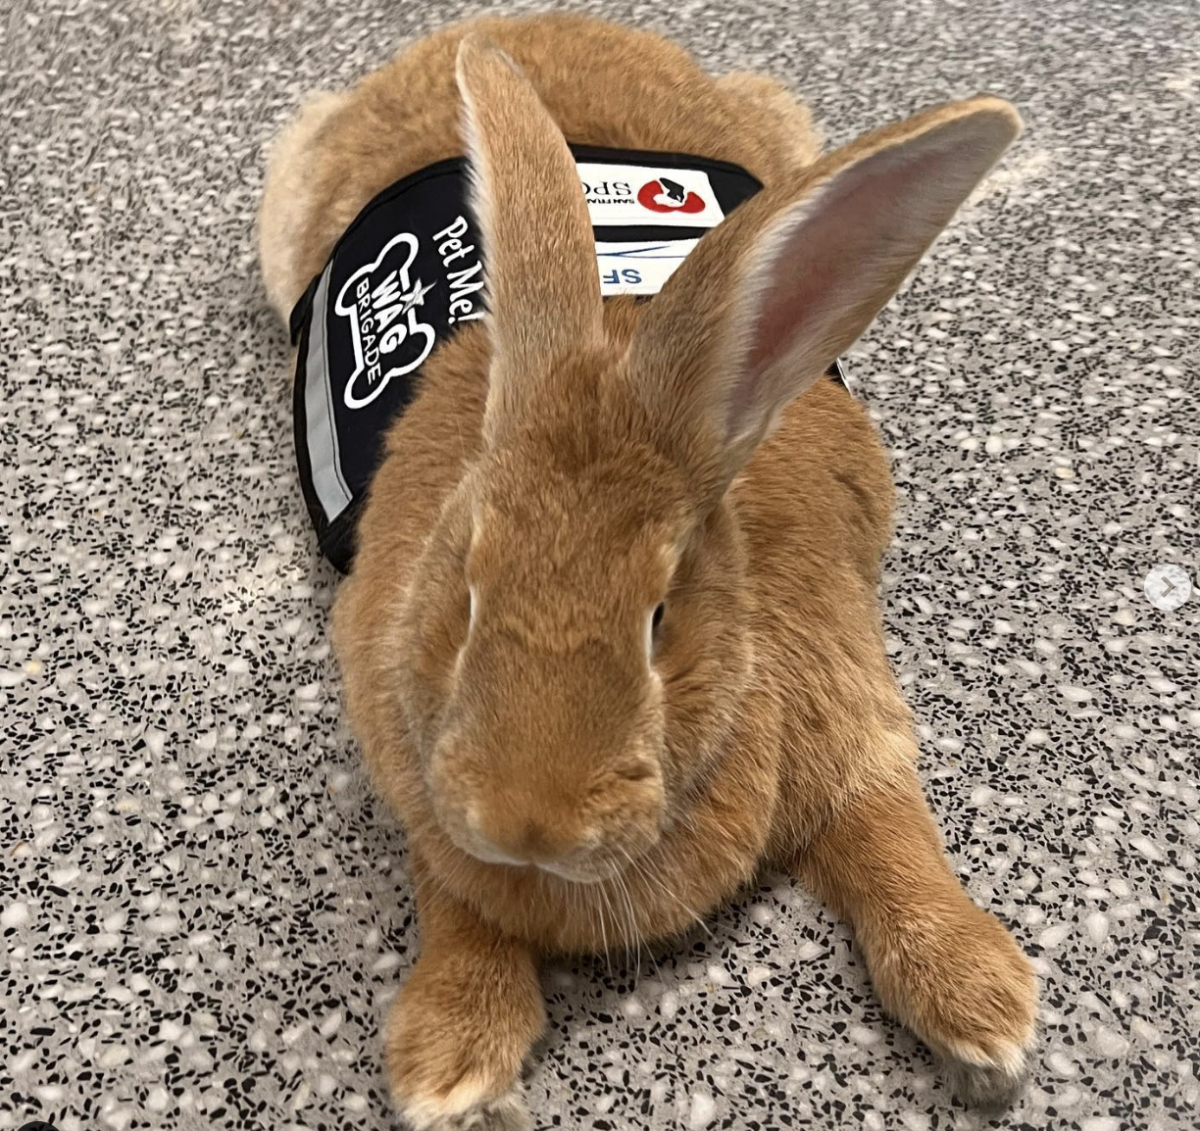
[566,468]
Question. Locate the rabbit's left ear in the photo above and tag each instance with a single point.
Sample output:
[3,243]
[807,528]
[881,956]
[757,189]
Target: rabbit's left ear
[543,286]
[774,294]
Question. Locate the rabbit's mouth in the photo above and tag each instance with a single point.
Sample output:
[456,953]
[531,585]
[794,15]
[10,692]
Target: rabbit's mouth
[567,871]
[584,869]
[578,876]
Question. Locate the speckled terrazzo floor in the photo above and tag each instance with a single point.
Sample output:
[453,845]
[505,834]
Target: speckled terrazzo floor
[203,911]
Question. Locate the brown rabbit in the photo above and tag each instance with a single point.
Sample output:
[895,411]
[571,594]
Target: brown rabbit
[611,634]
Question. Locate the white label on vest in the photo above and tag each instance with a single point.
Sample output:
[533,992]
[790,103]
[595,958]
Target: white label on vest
[640,194]
[639,268]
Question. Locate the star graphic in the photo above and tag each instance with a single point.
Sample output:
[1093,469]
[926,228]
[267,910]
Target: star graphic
[416,297]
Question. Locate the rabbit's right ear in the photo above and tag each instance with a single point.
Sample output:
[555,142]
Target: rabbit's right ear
[771,296]
[543,286]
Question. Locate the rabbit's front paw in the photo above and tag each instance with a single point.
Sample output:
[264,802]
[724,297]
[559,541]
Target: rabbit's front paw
[505,1113]
[969,992]
[456,1042]
[944,967]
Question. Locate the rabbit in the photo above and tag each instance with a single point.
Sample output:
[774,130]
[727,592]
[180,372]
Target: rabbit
[611,637]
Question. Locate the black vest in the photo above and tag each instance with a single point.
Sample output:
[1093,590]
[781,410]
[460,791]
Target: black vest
[410,269]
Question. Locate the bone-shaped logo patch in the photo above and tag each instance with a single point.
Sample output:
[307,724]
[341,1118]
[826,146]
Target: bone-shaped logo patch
[382,303]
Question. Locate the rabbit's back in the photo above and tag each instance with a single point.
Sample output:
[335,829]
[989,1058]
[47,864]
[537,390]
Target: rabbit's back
[605,85]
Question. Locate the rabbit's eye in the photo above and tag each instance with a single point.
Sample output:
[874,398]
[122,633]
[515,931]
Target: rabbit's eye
[652,622]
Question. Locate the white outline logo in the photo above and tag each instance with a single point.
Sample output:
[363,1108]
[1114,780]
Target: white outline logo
[383,318]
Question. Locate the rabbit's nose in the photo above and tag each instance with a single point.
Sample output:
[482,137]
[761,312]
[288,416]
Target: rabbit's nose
[513,837]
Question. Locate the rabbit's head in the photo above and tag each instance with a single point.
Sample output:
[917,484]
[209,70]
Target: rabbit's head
[580,628]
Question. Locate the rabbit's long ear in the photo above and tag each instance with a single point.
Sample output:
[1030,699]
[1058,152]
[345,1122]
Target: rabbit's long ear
[771,296]
[543,285]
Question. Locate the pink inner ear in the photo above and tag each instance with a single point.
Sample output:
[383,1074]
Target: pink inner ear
[836,261]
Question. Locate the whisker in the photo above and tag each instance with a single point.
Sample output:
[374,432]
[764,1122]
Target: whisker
[637,870]
[633,932]
[600,907]
[665,890]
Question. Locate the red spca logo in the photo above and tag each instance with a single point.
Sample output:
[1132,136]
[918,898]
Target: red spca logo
[666,195]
